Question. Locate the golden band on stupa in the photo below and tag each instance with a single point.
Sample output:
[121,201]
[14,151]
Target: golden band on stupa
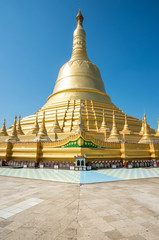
[78,121]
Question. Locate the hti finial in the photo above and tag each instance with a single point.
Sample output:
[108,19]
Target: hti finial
[79,18]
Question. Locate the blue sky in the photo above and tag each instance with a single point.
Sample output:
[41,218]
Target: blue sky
[122,40]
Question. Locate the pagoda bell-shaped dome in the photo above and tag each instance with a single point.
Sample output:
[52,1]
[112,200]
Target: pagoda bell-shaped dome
[79,78]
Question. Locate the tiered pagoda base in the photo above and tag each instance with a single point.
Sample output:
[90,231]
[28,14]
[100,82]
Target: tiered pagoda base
[63,154]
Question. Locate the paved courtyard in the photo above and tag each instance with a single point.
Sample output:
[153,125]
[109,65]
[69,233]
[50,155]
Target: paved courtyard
[103,175]
[45,210]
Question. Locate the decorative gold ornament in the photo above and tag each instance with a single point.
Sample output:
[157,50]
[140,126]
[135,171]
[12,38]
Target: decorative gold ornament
[3,131]
[80,142]
[19,129]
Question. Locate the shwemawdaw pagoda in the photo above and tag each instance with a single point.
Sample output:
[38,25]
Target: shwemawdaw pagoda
[79,127]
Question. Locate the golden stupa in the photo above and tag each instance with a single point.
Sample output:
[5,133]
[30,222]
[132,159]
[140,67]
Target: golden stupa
[78,121]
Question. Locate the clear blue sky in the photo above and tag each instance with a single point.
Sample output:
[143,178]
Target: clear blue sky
[122,40]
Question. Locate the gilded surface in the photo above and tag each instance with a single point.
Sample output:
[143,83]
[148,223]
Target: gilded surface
[79,74]
[79,118]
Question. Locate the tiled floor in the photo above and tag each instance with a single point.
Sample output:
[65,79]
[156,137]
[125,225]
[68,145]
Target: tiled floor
[48,210]
[104,175]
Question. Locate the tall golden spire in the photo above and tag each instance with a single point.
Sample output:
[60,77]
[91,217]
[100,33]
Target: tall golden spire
[3,131]
[114,135]
[146,129]
[126,129]
[142,127]
[146,138]
[14,130]
[35,129]
[103,127]
[114,131]
[79,40]
[42,130]
[42,134]
[19,129]
[56,127]
[157,132]
[13,137]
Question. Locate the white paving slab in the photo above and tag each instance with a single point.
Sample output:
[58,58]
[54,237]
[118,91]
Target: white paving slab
[19,207]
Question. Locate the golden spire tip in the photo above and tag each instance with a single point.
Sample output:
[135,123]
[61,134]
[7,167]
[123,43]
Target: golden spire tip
[79,18]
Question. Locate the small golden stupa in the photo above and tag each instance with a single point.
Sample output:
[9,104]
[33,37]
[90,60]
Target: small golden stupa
[78,120]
